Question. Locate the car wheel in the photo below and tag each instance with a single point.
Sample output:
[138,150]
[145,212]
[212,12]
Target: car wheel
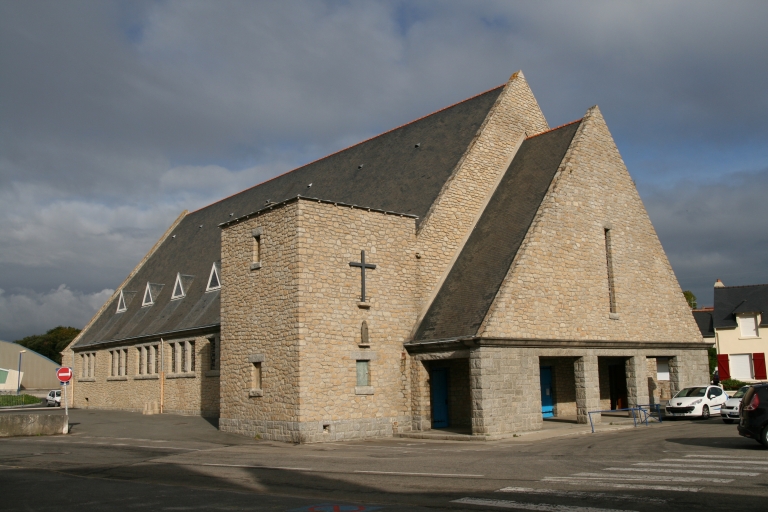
[725,420]
[705,412]
[764,437]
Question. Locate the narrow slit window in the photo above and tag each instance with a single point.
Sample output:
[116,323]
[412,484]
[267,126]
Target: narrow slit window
[256,376]
[178,288]
[173,358]
[363,373]
[148,300]
[121,307]
[609,265]
[214,283]
[214,356]
[257,249]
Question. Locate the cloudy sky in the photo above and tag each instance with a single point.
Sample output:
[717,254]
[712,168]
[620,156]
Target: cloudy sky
[115,116]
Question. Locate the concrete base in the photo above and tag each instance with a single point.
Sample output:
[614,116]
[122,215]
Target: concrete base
[33,424]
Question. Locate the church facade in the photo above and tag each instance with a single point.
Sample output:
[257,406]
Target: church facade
[473,269]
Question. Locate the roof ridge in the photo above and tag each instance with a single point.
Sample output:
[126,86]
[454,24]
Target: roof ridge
[743,286]
[555,128]
[354,145]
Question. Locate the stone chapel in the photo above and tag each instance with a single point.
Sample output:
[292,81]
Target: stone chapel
[474,269]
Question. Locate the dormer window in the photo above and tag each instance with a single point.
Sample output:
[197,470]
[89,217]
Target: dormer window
[121,306]
[178,289]
[151,292]
[148,300]
[748,325]
[214,283]
[181,286]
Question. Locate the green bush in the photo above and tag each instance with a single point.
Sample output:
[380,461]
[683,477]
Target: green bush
[14,400]
[732,384]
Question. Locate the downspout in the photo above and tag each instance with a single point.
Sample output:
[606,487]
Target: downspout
[162,375]
[72,381]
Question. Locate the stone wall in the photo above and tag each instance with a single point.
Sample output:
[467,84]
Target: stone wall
[331,316]
[260,325]
[190,393]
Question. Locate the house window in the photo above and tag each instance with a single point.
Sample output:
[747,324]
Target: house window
[148,300]
[119,363]
[741,366]
[142,360]
[748,325]
[88,368]
[214,283]
[174,357]
[183,357]
[609,265]
[662,368]
[363,373]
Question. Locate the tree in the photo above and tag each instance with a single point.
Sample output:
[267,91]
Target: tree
[690,298]
[51,343]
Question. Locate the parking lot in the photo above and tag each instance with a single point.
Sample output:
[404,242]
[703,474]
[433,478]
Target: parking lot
[119,460]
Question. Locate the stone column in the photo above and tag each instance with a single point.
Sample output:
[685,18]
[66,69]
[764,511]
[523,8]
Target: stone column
[505,390]
[587,388]
[421,411]
[636,369]
[675,375]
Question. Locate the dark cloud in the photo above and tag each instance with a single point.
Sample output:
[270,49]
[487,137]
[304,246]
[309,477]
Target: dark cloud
[115,116]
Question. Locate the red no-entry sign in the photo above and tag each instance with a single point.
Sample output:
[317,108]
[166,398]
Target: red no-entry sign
[64,374]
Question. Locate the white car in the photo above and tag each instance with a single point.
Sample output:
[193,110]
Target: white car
[730,409]
[53,398]
[699,401]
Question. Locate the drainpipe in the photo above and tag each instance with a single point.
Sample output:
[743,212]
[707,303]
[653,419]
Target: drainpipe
[72,380]
[162,375]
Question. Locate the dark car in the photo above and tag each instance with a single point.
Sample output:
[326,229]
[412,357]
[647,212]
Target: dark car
[753,417]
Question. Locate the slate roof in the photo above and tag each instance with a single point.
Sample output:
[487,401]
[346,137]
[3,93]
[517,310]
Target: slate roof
[730,300]
[704,321]
[395,176]
[472,284]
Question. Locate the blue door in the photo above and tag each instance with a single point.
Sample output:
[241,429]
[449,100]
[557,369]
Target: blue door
[547,400]
[439,395]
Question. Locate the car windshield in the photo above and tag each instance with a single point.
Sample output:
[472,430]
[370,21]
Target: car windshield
[740,393]
[687,392]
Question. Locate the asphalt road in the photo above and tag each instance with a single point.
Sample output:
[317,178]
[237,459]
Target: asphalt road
[126,461]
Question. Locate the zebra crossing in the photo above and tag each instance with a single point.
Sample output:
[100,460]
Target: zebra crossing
[683,474]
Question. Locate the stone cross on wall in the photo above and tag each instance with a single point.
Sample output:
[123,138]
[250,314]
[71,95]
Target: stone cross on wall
[362,265]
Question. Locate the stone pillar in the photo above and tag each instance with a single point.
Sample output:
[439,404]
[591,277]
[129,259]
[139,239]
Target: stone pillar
[505,390]
[636,370]
[421,408]
[675,375]
[587,388]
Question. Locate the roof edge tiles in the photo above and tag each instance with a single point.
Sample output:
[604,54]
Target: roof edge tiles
[314,200]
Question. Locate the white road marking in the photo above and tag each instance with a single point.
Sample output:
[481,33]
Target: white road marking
[732,461]
[441,475]
[532,506]
[246,466]
[581,494]
[690,466]
[663,478]
[582,481]
[677,471]
[718,457]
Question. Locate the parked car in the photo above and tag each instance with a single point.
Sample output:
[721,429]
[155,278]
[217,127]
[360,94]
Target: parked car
[730,409]
[753,417]
[53,398]
[698,401]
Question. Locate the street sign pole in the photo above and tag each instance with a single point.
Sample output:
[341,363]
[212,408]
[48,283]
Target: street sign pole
[66,402]
[65,376]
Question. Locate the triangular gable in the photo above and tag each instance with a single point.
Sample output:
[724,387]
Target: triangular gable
[151,292]
[181,286]
[468,291]
[560,283]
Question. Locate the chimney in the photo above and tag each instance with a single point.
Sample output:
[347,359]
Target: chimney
[719,284]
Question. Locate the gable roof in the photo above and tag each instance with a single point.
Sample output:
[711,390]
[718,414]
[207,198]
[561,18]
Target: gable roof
[474,280]
[703,319]
[395,176]
[730,300]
